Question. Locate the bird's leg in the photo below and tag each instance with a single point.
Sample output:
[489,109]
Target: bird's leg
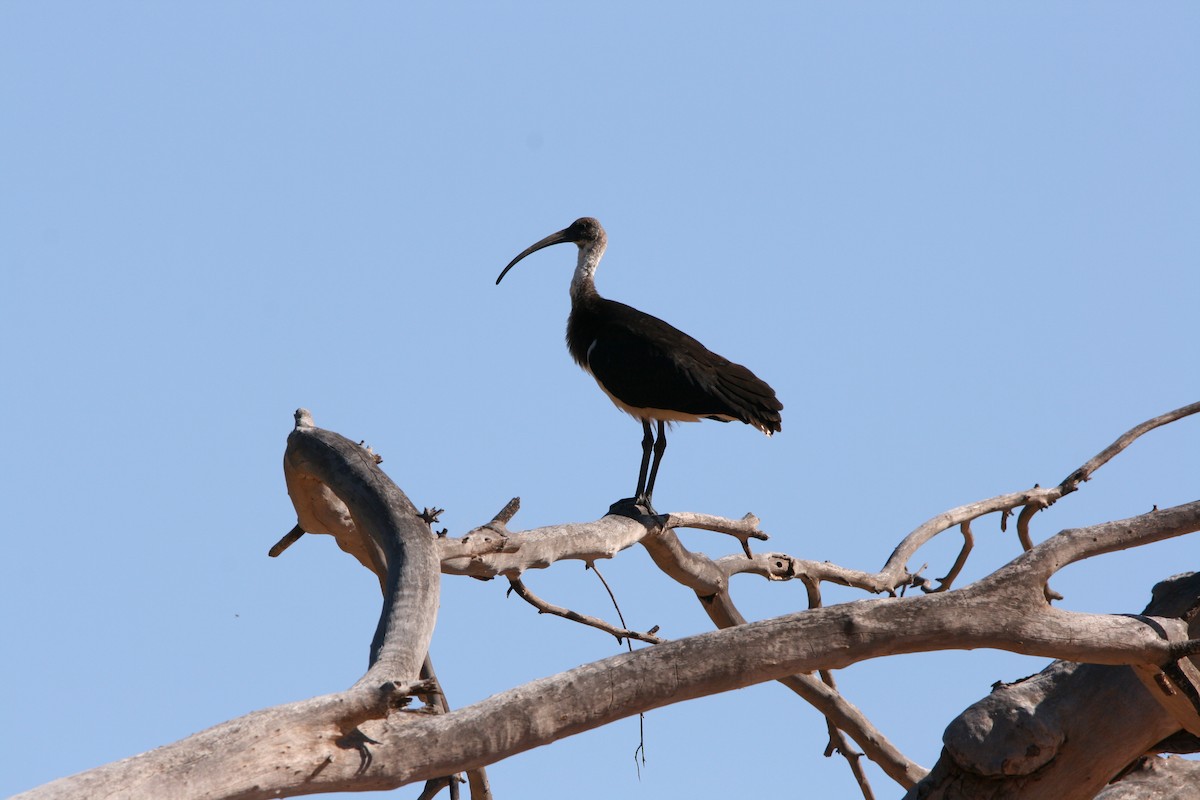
[660,447]
[647,444]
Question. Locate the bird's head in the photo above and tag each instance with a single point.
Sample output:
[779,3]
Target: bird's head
[586,232]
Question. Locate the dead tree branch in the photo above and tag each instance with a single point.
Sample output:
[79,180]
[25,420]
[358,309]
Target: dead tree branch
[709,580]
[390,531]
[545,607]
[1069,730]
[894,573]
[360,739]
[416,747]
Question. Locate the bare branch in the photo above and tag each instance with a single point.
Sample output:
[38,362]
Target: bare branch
[838,744]
[541,547]
[1084,473]
[417,747]
[893,575]
[617,606]
[323,467]
[479,542]
[743,529]
[1065,732]
[968,543]
[544,607]
[359,739]
[709,580]
[289,539]
[1033,568]
[505,515]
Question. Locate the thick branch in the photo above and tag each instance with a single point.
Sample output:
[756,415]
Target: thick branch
[321,745]
[1064,733]
[709,580]
[415,747]
[491,550]
[385,533]
[399,546]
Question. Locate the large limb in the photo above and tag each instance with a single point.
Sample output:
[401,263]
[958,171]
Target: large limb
[1069,730]
[309,747]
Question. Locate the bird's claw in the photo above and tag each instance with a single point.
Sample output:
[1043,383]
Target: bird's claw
[633,507]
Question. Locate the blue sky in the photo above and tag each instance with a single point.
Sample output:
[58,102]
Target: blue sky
[961,242]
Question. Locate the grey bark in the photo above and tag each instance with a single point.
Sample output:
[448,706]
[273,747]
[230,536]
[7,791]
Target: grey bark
[1067,731]
[300,748]
[1157,779]
[361,740]
[399,546]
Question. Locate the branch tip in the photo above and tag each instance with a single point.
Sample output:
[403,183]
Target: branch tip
[508,512]
[287,541]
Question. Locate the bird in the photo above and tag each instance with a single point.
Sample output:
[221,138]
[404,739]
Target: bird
[648,368]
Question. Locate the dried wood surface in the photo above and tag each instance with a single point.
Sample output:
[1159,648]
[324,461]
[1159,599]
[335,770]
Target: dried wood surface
[362,739]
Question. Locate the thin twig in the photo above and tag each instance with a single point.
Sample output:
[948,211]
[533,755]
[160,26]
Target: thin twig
[546,608]
[641,748]
[592,566]
[945,583]
[838,744]
[1026,540]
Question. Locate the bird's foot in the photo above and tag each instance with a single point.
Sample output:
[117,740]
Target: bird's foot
[634,507]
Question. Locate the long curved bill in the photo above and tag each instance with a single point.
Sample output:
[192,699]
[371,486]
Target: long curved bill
[554,238]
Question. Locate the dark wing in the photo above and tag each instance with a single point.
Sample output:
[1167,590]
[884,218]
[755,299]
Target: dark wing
[647,363]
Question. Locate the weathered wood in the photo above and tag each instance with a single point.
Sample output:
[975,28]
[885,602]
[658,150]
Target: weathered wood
[396,542]
[1157,779]
[339,489]
[1063,733]
[360,740]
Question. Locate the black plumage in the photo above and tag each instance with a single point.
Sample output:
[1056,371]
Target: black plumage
[646,366]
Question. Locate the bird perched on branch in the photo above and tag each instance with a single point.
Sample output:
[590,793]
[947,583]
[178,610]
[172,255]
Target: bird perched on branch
[648,368]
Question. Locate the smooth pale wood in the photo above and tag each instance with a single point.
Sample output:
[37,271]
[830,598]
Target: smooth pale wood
[538,548]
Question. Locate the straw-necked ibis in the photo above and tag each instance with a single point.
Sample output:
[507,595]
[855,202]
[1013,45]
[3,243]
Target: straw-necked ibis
[648,368]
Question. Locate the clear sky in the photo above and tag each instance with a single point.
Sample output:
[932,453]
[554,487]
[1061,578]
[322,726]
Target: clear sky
[960,241]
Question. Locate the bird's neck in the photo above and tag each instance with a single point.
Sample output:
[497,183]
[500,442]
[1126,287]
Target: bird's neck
[583,284]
